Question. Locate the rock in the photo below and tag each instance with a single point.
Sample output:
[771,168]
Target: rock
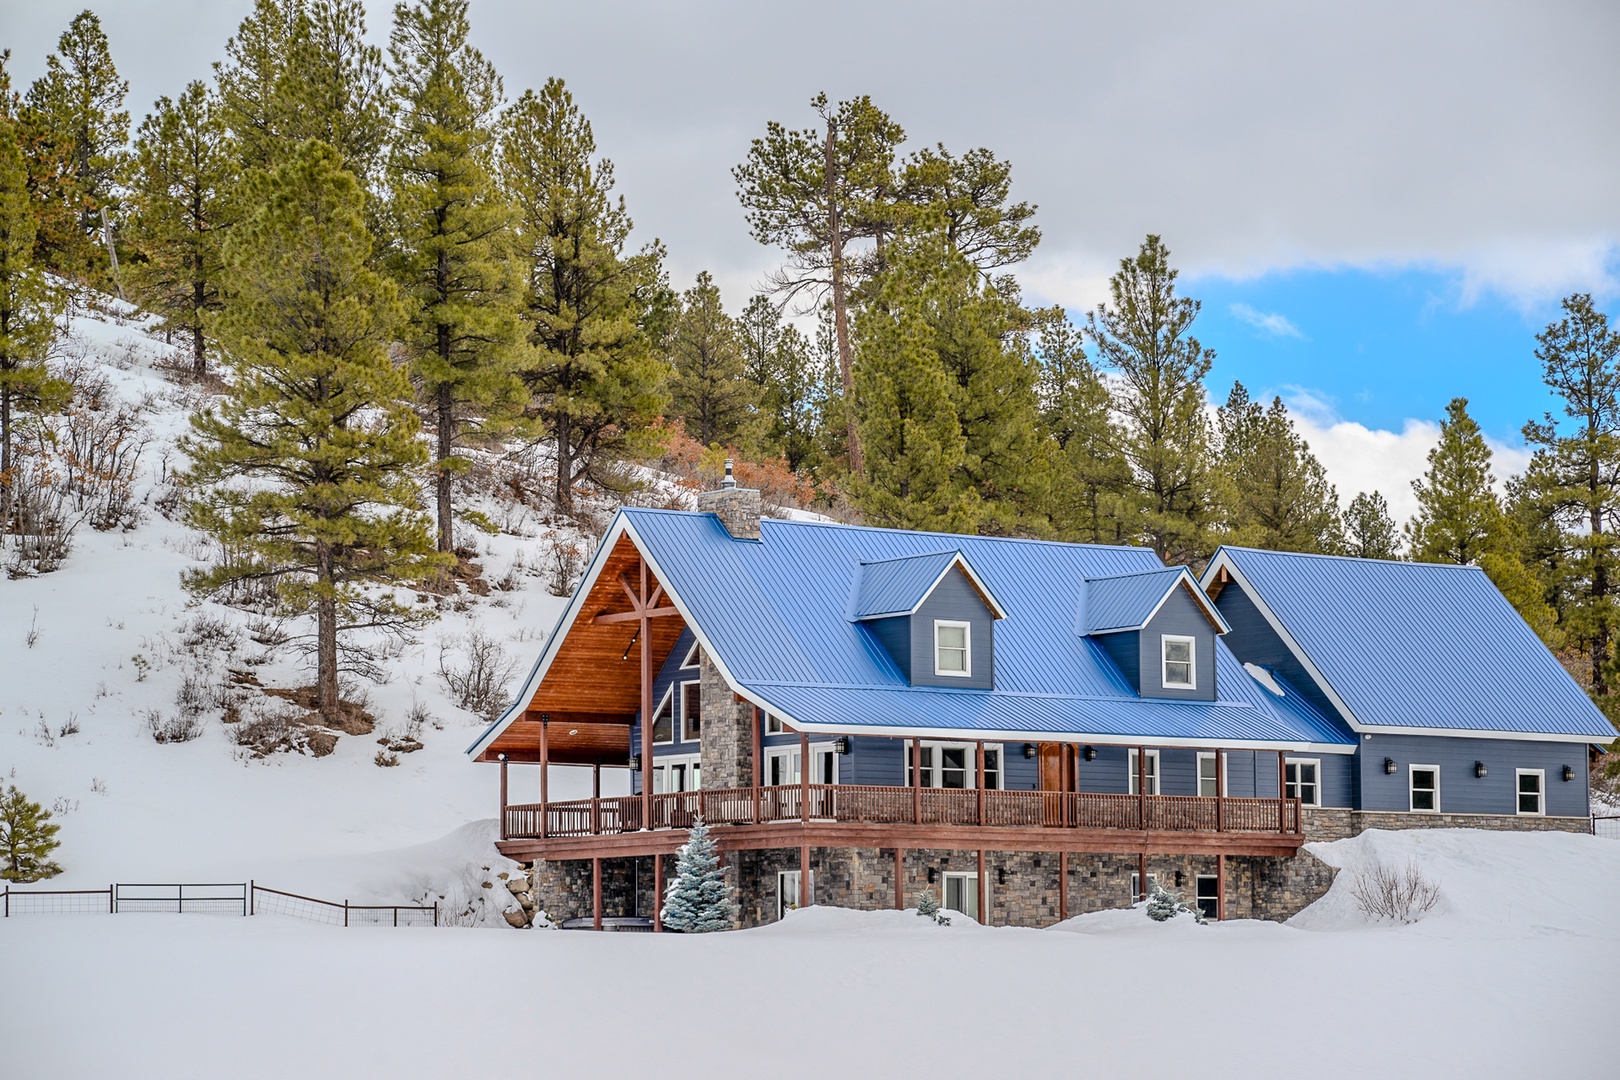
[516,919]
[503,875]
[489,884]
[518,885]
[527,901]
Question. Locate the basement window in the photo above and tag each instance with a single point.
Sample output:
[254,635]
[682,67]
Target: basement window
[1178,662]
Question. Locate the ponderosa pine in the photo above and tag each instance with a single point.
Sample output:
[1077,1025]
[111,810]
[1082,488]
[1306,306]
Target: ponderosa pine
[1459,517]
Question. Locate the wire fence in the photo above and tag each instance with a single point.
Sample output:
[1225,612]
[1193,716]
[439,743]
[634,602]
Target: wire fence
[232,898]
[1607,825]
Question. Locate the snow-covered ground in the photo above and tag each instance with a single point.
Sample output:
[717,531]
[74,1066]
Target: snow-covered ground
[1510,976]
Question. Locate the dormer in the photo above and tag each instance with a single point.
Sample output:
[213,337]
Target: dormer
[1160,629]
[934,615]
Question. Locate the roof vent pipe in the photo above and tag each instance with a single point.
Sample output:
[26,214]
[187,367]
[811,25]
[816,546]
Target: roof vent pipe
[737,508]
[730,481]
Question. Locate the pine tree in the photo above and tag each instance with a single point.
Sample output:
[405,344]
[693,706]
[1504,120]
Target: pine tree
[597,381]
[1369,531]
[1573,483]
[825,197]
[698,900]
[710,389]
[184,171]
[27,838]
[306,472]
[29,307]
[1282,500]
[250,81]
[1459,517]
[79,102]
[793,400]
[968,199]
[1088,501]
[1143,335]
[454,234]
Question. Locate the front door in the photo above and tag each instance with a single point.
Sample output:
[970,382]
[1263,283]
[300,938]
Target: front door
[1056,764]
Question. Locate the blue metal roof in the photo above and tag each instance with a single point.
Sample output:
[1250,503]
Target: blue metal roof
[1127,601]
[1416,645]
[776,615]
[898,586]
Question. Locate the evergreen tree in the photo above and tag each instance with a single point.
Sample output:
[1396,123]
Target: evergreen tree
[1088,500]
[1143,335]
[698,900]
[1459,517]
[462,294]
[183,175]
[251,77]
[825,197]
[1282,500]
[50,177]
[29,307]
[968,199]
[306,472]
[1573,483]
[80,103]
[1369,532]
[596,378]
[759,332]
[710,389]
[793,399]
[27,838]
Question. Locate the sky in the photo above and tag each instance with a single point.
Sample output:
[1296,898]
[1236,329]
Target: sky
[1378,204]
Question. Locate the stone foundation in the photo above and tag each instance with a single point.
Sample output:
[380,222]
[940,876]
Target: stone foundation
[1331,824]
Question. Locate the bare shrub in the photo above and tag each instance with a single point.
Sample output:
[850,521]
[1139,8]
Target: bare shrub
[70,726]
[43,518]
[181,727]
[386,760]
[33,628]
[101,450]
[565,559]
[1401,894]
[209,637]
[479,684]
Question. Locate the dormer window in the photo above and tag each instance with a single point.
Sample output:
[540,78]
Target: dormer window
[1178,662]
[951,648]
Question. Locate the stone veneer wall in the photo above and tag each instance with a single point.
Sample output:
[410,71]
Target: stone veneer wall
[1331,824]
[727,741]
[737,508]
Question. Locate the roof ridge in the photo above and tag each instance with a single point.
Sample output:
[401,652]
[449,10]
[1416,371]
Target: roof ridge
[928,532]
[904,558]
[1413,563]
[1177,569]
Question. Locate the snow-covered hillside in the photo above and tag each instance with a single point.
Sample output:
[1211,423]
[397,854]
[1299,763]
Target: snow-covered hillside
[111,641]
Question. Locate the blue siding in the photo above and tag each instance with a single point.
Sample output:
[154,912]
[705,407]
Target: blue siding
[1181,616]
[1461,792]
[1126,650]
[956,599]
[895,636]
[1253,641]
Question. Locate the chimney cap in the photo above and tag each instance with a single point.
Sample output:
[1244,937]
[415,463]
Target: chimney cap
[730,481]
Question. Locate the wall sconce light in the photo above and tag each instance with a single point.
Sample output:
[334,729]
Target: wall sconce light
[501,758]
[1569,772]
[1479,769]
[1178,879]
[635,762]
[1029,750]
[930,875]
[1001,875]
[1389,766]
[841,744]
[1090,753]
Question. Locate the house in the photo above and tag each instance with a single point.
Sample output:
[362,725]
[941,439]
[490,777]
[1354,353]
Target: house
[1024,729]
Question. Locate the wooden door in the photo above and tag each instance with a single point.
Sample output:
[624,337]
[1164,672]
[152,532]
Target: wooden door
[1049,756]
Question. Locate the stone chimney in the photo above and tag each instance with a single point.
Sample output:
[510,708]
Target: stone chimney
[737,508]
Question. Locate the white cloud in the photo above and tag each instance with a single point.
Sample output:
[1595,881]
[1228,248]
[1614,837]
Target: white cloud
[1272,323]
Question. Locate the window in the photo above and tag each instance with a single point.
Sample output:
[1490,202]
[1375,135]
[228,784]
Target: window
[1178,662]
[1302,780]
[1208,776]
[787,891]
[1152,772]
[951,645]
[773,724]
[1426,788]
[962,894]
[677,773]
[664,719]
[952,765]
[691,711]
[1530,788]
[782,765]
[1205,896]
[1136,884]
[692,656]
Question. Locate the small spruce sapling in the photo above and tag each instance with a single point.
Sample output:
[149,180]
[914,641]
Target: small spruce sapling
[928,908]
[1163,905]
[698,900]
[27,838]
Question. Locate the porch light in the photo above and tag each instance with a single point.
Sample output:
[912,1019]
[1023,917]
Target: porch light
[635,762]
[1569,772]
[1479,769]
[1389,766]
[1091,753]
[1001,875]
[840,745]
[1029,750]
[930,875]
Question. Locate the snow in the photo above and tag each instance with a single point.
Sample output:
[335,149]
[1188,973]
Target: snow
[1511,974]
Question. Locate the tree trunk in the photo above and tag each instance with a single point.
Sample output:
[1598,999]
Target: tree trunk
[447,439]
[565,467]
[326,654]
[5,462]
[1600,591]
[835,241]
[199,296]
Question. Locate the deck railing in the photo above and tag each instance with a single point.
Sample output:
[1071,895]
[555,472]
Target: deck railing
[905,806]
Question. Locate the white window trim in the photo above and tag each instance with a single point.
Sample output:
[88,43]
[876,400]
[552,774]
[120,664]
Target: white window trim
[1156,785]
[1164,662]
[1195,897]
[970,881]
[791,754]
[680,712]
[783,904]
[674,716]
[1136,890]
[1541,792]
[772,718]
[1318,785]
[666,761]
[691,656]
[931,772]
[1220,774]
[1411,772]
[967,649]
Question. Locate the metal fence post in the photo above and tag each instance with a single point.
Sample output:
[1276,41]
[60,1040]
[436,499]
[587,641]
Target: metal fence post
[435,913]
[345,911]
[252,906]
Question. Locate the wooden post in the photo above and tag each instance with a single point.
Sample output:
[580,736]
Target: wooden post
[984,893]
[1282,792]
[979,781]
[646,705]
[1220,791]
[1141,875]
[596,894]
[804,875]
[759,775]
[916,781]
[1063,886]
[1141,787]
[545,776]
[1220,887]
[658,894]
[505,835]
[804,778]
[899,879]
